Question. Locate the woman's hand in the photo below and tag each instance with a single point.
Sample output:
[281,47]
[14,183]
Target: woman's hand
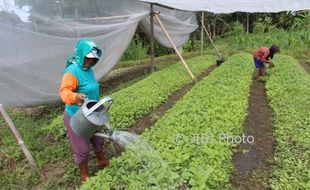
[79,98]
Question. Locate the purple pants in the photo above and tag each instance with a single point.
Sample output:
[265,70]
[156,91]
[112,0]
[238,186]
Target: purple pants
[258,63]
[80,146]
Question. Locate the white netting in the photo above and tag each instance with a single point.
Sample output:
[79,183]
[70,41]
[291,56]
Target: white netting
[38,36]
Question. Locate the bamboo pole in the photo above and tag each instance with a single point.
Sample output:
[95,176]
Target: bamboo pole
[174,46]
[152,37]
[202,34]
[217,51]
[20,142]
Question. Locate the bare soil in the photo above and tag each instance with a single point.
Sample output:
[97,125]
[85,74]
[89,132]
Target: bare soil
[253,162]
[305,65]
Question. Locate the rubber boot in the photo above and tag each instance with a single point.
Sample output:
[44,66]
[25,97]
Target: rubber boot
[84,175]
[101,161]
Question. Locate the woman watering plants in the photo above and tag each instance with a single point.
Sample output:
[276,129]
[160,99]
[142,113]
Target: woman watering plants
[79,82]
[262,56]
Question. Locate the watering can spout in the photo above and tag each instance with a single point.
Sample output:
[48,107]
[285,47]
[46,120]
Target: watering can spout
[104,135]
[109,127]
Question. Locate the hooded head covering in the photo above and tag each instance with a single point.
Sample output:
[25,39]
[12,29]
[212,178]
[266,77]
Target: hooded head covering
[84,48]
[273,49]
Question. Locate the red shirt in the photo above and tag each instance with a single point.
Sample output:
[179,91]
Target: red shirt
[261,53]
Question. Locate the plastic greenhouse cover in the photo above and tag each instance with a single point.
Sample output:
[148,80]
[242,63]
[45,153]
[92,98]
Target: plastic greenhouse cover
[38,36]
[230,6]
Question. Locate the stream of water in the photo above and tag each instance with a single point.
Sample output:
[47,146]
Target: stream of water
[141,149]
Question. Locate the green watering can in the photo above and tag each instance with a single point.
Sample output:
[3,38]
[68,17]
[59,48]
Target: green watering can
[91,117]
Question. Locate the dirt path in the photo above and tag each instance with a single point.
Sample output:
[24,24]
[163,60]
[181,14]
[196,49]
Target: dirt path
[253,162]
[305,65]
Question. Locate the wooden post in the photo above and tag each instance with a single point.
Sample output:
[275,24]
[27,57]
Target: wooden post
[247,23]
[152,38]
[214,26]
[20,142]
[202,34]
[174,46]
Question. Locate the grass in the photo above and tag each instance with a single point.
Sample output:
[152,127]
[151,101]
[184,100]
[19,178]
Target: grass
[296,44]
[44,150]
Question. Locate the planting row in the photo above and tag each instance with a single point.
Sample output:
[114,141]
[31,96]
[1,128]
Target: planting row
[132,102]
[194,138]
[142,97]
[288,89]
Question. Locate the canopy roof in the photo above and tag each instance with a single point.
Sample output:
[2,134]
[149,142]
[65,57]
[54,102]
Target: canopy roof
[230,6]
